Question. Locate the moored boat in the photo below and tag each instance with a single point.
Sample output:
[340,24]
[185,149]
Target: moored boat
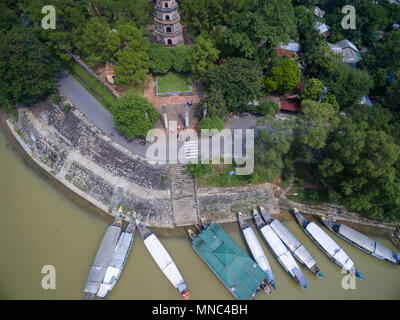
[296,248]
[103,256]
[163,259]
[280,251]
[240,274]
[257,251]
[328,246]
[118,259]
[362,242]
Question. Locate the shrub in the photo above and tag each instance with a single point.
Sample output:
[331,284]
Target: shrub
[67,107]
[267,108]
[211,123]
[199,170]
[55,98]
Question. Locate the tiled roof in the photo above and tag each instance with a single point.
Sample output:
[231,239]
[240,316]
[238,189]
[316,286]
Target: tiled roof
[290,105]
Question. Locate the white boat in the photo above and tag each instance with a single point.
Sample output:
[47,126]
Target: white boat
[280,251]
[257,251]
[362,242]
[103,256]
[326,244]
[297,249]
[118,259]
[163,259]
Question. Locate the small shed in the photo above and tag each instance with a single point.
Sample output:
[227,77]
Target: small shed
[109,72]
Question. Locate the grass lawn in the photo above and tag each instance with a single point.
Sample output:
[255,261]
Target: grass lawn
[92,85]
[173,82]
[219,177]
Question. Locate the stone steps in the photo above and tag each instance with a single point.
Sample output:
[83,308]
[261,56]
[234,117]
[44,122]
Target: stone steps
[183,196]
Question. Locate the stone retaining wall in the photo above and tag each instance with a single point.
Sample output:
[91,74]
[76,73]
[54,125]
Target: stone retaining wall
[71,149]
[222,204]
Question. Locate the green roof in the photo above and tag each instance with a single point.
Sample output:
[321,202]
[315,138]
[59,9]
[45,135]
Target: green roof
[240,274]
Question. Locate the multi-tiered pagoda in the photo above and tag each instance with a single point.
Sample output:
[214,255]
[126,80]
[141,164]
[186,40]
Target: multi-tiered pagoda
[168,27]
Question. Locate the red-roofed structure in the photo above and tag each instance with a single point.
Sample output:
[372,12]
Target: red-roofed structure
[290,105]
[284,52]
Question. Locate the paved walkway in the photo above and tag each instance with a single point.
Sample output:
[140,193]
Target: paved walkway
[96,113]
[102,118]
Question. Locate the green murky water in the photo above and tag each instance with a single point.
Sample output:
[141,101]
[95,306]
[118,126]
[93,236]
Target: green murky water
[41,226]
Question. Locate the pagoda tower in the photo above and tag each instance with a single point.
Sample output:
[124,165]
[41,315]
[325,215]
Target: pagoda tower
[168,27]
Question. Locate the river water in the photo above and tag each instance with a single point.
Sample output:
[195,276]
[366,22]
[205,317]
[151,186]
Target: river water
[41,226]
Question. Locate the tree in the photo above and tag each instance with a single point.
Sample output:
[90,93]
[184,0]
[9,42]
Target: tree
[161,58]
[316,121]
[133,59]
[283,77]
[93,41]
[267,108]
[28,70]
[360,163]
[132,66]
[273,147]
[203,15]
[269,23]
[211,123]
[215,104]
[348,84]
[237,90]
[182,58]
[204,55]
[313,89]
[134,116]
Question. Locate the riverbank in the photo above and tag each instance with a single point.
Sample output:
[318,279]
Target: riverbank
[102,174]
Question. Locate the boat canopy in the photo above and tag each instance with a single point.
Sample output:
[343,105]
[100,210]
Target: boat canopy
[103,256]
[293,244]
[385,253]
[282,254]
[258,252]
[330,246]
[116,263]
[233,266]
[164,261]
[358,238]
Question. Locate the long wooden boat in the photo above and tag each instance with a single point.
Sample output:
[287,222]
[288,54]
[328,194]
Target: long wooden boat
[239,273]
[280,251]
[103,256]
[163,259]
[362,242]
[118,260]
[328,246]
[257,252]
[295,247]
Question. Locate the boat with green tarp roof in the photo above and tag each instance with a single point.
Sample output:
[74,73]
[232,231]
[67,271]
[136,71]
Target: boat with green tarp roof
[232,265]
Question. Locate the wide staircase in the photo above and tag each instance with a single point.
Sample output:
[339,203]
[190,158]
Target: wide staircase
[183,196]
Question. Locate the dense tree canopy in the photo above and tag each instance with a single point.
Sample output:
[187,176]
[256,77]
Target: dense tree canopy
[348,84]
[134,116]
[28,70]
[283,77]
[237,90]
[204,55]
